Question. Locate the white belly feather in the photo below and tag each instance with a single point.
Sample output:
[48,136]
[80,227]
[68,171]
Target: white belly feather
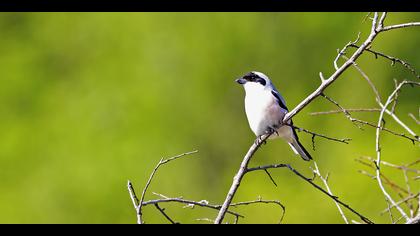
[263,111]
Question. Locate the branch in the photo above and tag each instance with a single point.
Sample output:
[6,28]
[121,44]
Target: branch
[378,100]
[365,219]
[391,27]
[342,140]
[139,204]
[164,214]
[352,119]
[391,58]
[238,177]
[410,197]
[399,167]
[205,204]
[398,189]
[327,82]
[189,203]
[377,27]
[414,118]
[134,199]
[414,221]
[325,181]
[348,115]
[378,147]
[259,200]
[348,110]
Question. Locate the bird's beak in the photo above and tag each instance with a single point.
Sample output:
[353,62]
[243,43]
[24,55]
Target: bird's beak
[241,81]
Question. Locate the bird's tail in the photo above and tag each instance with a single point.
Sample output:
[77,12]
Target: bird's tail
[298,148]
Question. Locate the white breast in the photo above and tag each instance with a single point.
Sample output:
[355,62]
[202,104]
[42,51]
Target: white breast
[261,108]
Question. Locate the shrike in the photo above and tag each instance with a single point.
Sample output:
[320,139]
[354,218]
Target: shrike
[265,109]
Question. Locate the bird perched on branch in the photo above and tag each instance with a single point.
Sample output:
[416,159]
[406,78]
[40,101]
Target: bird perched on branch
[265,109]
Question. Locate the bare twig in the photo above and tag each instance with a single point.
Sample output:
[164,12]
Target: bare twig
[341,140]
[394,105]
[391,27]
[410,197]
[326,83]
[140,204]
[392,59]
[271,177]
[165,215]
[261,201]
[402,124]
[414,221]
[206,204]
[205,219]
[400,190]
[378,147]
[343,51]
[378,100]
[189,203]
[238,177]
[400,167]
[389,211]
[375,29]
[325,181]
[348,110]
[308,180]
[414,118]
[134,199]
[348,115]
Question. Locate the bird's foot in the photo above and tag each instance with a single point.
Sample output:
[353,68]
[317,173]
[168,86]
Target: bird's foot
[259,140]
[272,130]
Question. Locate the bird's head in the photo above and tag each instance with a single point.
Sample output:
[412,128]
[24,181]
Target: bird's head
[254,80]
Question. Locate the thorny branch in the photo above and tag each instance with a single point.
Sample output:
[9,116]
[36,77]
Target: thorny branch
[401,191]
[138,205]
[238,177]
[310,181]
[391,58]
[378,100]
[325,181]
[378,147]
[341,140]
[348,110]
[261,201]
[380,127]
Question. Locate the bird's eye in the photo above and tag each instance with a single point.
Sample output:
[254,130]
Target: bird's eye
[261,81]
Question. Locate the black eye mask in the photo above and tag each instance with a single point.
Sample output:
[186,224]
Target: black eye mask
[261,81]
[255,78]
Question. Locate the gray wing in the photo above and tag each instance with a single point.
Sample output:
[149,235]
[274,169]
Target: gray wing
[279,99]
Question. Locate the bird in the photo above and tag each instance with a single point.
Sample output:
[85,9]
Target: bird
[265,109]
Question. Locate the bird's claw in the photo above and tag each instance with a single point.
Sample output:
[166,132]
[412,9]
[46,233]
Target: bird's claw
[272,130]
[259,140]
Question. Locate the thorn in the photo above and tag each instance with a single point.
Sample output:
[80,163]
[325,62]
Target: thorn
[321,76]
[376,165]
[313,142]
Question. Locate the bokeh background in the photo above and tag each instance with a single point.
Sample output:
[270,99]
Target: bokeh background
[90,100]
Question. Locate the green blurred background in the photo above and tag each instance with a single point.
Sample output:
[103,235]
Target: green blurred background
[90,100]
